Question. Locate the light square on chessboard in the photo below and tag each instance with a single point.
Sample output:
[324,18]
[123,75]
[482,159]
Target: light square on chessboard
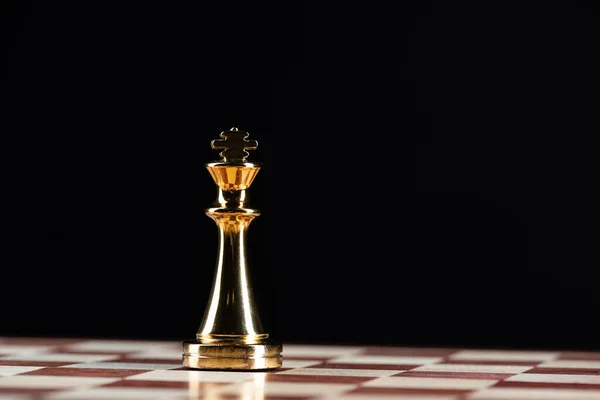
[257,390]
[124,365]
[396,396]
[87,372]
[504,355]
[576,364]
[123,346]
[291,363]
[169,354]
[408,351]
[318,351]
[331,372]
[9,350]
[473,368]
[8,370]
[59,357]
[589,380]
[428,383]
[51,382]
[384,360]
[197,376]
[500,393]
[16,396]
[118,393]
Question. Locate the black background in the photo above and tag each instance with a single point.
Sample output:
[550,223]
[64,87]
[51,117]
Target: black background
[427,169]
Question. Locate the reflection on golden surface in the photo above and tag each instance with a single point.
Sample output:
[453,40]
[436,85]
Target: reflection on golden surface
[253,389]
[203,390]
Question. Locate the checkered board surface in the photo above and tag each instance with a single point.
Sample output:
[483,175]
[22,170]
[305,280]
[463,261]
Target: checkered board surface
[124,369]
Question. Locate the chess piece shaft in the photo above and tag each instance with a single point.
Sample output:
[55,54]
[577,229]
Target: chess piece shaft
[231,334]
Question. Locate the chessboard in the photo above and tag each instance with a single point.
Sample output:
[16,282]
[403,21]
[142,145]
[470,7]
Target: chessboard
[78,369]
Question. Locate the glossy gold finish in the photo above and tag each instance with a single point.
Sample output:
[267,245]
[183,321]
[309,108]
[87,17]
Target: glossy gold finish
[234,177]
[231,335]
[263,356]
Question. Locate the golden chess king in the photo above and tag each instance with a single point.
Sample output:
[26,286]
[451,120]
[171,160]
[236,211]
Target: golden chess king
[231,335]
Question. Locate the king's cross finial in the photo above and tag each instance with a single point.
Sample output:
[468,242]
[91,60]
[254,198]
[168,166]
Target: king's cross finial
[234,145]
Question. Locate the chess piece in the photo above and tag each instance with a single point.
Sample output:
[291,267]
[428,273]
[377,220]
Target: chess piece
[231,335]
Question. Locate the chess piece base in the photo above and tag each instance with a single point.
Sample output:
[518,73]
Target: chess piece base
[265,355]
